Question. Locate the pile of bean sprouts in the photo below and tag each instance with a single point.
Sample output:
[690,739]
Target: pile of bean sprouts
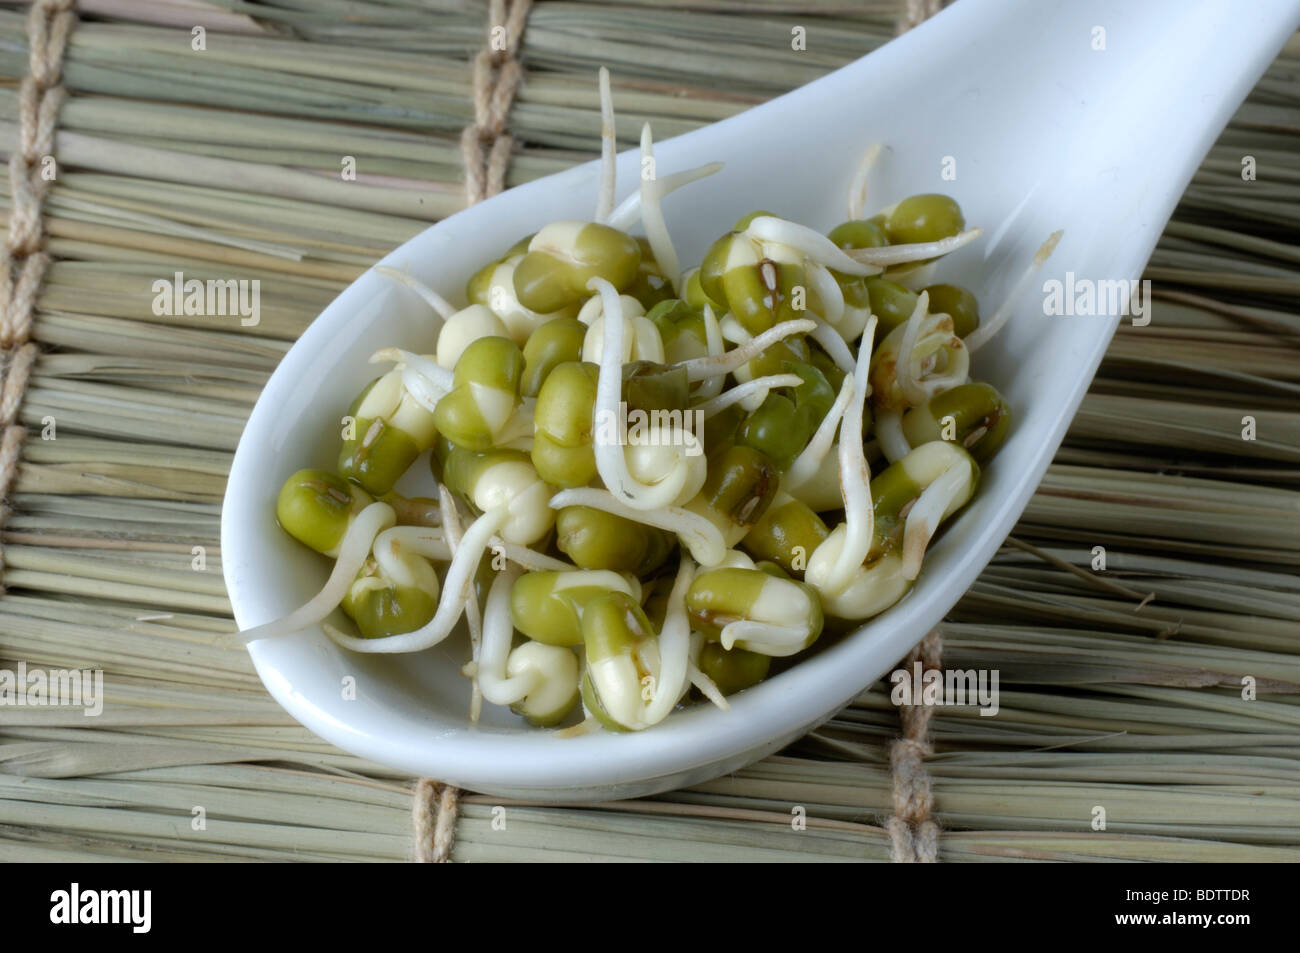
[550,637]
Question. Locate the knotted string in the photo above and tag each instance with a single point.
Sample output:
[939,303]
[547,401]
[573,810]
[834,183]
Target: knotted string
[914,835]
[435,810]
[485,144]
[23,260]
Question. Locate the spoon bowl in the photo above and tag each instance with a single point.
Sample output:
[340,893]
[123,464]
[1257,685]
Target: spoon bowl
[1022,111]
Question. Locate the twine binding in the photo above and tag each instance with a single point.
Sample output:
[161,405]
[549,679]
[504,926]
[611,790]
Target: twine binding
[22,259]
[485,145]
[435,810]
[913,833]
[485,148]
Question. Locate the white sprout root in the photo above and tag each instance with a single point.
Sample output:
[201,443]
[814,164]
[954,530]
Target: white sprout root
[652,215]
[628,212]
[708,688]
[833,343]
[855,475]
[888,255]
[733,331]
[441,306]
[498,632]
[907,381]
[711,386]
[423,391]
[829,292]
[454,532]
[703,368]
[702,539]
[456,590]
[441,380]
[984,333]
[420,540]
[889,435]
[519,426]
[353,550]
[858,187]
[811,243]
[530,559]
[810,459]
[925,515]
[611,461]
[674,649]
[605,200]
[933,336]
[431,542]
[755,388]
[778,639]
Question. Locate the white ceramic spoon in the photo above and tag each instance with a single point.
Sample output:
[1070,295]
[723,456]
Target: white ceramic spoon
[1045,131]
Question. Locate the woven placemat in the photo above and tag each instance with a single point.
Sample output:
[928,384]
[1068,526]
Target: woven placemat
[1146,706]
